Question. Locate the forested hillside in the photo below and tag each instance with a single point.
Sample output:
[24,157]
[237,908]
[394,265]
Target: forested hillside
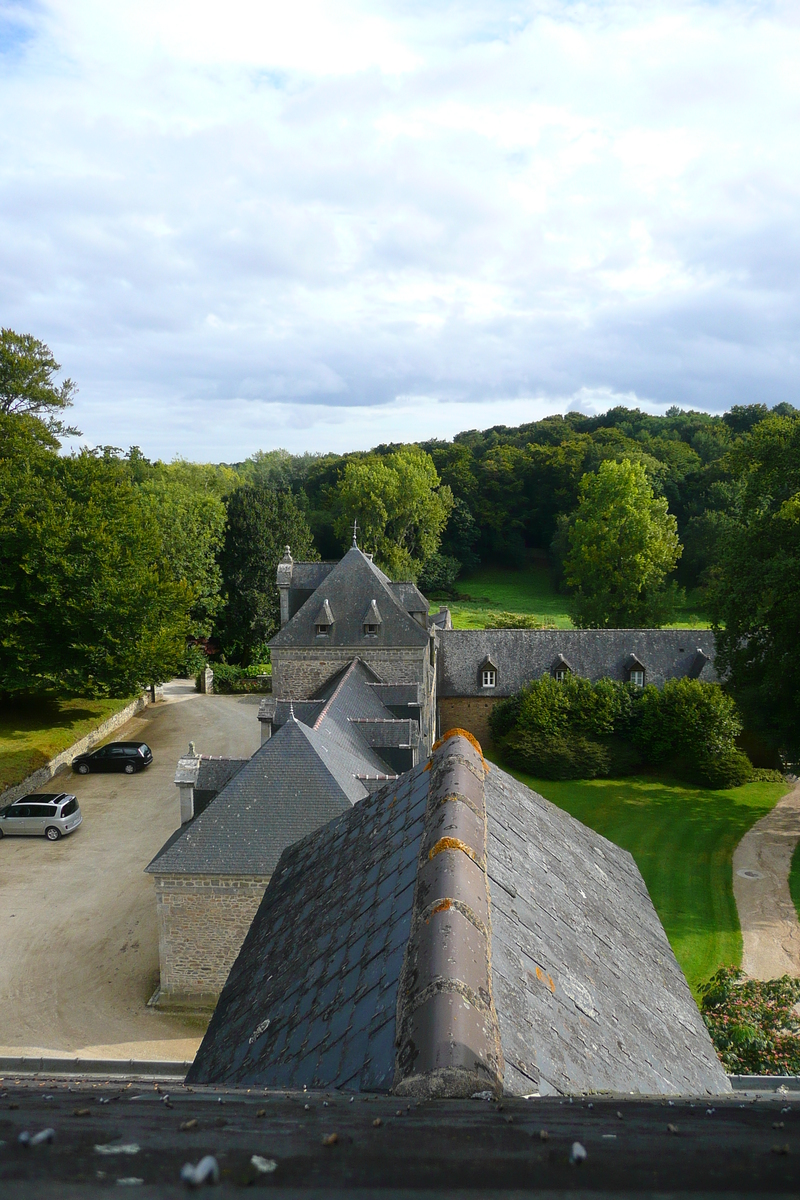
[511,485]
[115,568]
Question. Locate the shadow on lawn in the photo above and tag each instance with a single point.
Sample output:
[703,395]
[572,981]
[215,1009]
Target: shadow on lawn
[27,714]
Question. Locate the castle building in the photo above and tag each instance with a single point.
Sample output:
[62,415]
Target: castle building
[364,680]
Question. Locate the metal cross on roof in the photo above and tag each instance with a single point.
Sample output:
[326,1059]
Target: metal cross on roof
[355,530]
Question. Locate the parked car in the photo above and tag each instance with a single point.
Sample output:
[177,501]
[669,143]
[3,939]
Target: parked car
[43,815]
[116,756]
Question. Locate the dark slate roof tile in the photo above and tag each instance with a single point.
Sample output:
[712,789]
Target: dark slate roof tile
[293,784]
[588,993]
[349,589]
[522,655]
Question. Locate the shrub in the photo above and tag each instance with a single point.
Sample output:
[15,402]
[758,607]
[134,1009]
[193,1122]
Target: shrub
[439,573]
[752,1022]
[229,679]
[509,620]
[578,729]
[687,718]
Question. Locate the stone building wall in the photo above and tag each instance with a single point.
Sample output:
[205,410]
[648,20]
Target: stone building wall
[468,712]
[202,922]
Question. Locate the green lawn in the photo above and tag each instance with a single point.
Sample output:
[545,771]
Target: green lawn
[500,589]
[34,730]
[682,839]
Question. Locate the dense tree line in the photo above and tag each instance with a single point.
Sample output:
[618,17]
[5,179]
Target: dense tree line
[111,564]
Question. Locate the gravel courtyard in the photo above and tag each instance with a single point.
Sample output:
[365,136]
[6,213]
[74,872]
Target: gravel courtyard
[78,933]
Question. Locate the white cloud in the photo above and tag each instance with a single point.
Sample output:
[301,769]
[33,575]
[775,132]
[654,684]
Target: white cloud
[319,224]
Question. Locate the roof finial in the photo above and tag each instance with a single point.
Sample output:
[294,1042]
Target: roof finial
[291,711]
[355,530]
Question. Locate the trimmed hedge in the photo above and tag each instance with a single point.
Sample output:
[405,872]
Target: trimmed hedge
[575,729]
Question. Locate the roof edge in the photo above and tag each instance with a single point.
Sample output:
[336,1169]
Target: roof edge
[448,1036]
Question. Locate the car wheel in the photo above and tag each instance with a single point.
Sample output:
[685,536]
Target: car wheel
[129,768]
[83,768]
[52,834]
[1,835]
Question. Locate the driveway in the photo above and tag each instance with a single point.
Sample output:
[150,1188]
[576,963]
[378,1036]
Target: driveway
[761,865]
[78,932]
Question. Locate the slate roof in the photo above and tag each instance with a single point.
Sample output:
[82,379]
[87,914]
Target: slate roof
[583,985]
[349,589]
[293,784]
[215,773]
[521,655]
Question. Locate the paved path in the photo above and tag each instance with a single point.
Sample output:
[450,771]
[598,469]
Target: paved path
[78,932]
[761,863]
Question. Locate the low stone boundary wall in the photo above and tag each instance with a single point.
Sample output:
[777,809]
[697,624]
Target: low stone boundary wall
[44,774]
[103,1067]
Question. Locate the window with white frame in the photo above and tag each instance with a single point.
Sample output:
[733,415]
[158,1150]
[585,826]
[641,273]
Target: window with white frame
[322,630]
[637,676]
[488,677]
[560,674]
[370,629]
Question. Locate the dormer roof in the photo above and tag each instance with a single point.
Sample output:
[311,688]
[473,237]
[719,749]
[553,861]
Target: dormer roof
[372,616]
[325,615]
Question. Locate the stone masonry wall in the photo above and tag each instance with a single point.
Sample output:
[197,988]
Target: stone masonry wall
[470,713]
[202,922]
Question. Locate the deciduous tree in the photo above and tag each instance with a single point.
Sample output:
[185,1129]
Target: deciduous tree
[27,383]
[756,587]
[400,506]
[623,543]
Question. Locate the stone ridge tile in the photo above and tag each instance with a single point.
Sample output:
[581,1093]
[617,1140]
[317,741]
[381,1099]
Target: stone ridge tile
[323,957]
[618,1002]
[523,655]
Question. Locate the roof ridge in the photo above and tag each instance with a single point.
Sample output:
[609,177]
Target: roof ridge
[448,1035]
[346,673]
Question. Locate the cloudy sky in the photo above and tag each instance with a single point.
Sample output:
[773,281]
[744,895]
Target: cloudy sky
[317,225]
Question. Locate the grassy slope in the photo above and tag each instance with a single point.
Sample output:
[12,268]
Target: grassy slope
[33,731]
[682,839]
[498,589]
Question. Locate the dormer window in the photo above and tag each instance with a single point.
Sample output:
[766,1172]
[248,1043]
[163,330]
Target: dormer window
[636,671]
[372,621]
[560,669]
[324,621]
[487,674]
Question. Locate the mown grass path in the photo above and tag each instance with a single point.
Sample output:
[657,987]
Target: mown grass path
[682,839]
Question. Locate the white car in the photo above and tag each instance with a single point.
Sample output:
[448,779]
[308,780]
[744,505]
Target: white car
[49,816]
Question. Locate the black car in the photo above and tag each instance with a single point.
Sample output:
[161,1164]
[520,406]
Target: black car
[116,756]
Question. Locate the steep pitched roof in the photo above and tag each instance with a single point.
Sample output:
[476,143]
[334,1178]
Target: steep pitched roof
[403,947]
[522,655]
[349,589]
[349,712]
[293,784]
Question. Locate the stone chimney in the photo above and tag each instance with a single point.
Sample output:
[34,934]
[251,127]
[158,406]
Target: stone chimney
[186,781]
[284,583]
